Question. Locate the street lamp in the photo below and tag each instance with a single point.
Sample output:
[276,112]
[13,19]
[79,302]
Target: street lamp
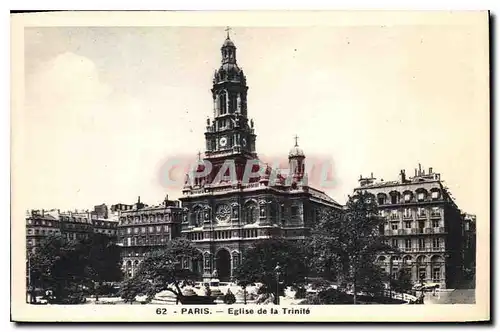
[277,269]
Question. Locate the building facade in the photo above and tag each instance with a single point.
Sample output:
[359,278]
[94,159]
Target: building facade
[423,221]
[232,198]
[143,228]
[469,247]
[73,225]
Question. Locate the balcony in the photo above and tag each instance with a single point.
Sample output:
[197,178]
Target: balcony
[435,215]
[393,217]
[421,216]
[417,231]
[407,217]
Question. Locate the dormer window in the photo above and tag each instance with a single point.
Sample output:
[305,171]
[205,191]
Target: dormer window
[435,194]
[421,196]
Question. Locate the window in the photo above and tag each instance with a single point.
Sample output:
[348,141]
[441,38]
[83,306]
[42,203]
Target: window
[29,221]
[435,223]
[30,231]
[129,230]
[394,199]
[421,196]
[421,224]
[435,243]
[435,211]
[421,244]
[408,243]
[435,195]
[394,214]
[394,226]
[295,210]
[151,229]
[143,229]
[37,231]
[158,229]
[407,213]
[381,200]
[407,197]
[395,243]
[436,274]
[136,230]
[407,224]
[421,212]
[381,213]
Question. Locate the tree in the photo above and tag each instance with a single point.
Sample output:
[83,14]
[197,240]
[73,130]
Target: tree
[402,283]
[104,261]
[162,270]
[343,246]
[262,258]
[57,265]
[66,266]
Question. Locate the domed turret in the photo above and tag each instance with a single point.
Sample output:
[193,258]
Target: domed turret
[296,158]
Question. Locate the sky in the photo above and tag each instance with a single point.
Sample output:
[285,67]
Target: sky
[106,107]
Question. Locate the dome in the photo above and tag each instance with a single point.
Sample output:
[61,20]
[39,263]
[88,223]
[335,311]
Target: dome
[228,43]
[296,152]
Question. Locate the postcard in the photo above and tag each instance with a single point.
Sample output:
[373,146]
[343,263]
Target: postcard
[250,166]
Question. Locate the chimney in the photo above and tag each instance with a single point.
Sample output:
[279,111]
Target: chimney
[415,172]
[43,212]
[430,170]
[371,175]
[402,176]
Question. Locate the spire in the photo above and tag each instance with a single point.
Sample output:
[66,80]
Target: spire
[199,155]
[227,29]
[228,49]
[296,140]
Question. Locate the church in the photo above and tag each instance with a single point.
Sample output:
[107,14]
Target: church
[231,198]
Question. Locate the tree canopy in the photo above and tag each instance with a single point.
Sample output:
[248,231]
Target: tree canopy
[162,270]
[65,266]
[343,246]
[261,259]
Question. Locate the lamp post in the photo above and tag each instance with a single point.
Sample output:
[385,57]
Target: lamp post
[277,269]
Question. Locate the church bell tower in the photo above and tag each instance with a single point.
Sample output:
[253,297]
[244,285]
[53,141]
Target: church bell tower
[229,132]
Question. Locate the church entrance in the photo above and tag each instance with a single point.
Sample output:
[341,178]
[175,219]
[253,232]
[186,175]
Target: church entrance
[223,265]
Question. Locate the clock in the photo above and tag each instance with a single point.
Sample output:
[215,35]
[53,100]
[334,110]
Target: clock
[223,141]
[222,213]
[244,142]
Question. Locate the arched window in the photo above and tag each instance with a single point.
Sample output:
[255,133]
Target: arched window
[223,102]
[197,216]
[251,212]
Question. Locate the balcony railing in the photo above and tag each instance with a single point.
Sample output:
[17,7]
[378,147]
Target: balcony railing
[407,216]
[429,230]
[435,215]
[421,215]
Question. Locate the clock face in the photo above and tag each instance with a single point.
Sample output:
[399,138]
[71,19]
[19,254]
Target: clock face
[244,142]
[222,213]
[223,141]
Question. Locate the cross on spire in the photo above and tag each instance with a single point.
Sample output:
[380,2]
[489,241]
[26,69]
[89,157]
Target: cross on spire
[227,29]
[199,155]
[296,140]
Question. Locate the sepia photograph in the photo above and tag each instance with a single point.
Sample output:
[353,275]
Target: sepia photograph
[250,166]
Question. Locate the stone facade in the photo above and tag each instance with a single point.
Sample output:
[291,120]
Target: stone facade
[423,221]
[225,210]
[144,228]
